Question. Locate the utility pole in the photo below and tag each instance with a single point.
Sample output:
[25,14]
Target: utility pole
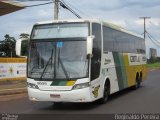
[144,18]
[56,9]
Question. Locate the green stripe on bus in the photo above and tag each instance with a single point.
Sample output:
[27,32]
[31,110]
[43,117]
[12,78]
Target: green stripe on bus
[123,70]
[118,70]
[63,83]
[54,83]
[59,83]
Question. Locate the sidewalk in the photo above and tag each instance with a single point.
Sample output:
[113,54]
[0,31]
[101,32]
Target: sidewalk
[13,87]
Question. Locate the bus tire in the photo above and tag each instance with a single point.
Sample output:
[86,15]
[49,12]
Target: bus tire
[138,81]
[106,92]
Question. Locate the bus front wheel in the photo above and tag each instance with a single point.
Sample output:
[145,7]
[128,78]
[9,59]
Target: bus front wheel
[106,92]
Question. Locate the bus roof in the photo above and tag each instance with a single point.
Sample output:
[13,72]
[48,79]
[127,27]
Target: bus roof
[107,24]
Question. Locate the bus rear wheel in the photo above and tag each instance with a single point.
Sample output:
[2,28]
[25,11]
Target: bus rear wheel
[138,82]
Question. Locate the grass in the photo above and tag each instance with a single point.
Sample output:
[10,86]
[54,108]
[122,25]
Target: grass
[154,65]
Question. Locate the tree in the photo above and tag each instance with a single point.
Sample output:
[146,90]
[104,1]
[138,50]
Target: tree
[24,35]
[2,53]
[8,46]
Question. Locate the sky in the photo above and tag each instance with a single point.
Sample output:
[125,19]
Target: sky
[125,13]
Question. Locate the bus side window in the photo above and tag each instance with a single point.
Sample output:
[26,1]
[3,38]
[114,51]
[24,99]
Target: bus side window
[96,59]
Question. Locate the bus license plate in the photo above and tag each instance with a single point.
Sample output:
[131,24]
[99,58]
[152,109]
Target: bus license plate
[54,95]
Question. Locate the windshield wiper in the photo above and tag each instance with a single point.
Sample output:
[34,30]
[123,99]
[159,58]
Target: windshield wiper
[63,67]
[50,59]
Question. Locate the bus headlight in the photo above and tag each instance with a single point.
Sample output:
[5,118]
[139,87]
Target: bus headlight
[34,86]
[81,86]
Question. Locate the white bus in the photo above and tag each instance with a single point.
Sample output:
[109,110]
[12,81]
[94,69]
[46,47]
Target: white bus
[83,61]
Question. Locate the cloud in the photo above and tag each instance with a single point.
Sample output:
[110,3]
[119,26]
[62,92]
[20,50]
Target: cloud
[125,13]
[23,20]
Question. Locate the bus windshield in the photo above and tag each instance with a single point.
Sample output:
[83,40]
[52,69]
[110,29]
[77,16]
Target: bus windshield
[60,30]
[58,59]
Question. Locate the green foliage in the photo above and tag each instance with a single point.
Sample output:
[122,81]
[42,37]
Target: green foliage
[154,65]
[24,35]
[8,46]
[153,60]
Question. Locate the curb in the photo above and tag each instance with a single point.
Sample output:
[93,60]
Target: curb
[13,91]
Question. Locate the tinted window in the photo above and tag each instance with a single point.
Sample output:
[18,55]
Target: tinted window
[132,44]
[108,38]
[114,40]
[96,59]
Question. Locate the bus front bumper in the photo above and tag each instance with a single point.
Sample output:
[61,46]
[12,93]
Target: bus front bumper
[79,95]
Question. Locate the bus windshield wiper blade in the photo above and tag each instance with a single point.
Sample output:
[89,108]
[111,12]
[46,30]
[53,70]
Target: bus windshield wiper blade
[64,69]
[50,59]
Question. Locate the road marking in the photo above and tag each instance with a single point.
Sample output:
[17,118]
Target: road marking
[152,69]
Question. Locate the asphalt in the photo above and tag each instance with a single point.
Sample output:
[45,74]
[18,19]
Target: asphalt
[146,99]
[13,87]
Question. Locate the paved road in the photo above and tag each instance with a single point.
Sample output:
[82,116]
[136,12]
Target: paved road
[144,100]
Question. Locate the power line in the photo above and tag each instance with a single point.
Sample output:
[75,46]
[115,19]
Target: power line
[150,34]
[65,6]
[152,40]
[29,0]
[75,8]
[152,37]
[39,4]
[156,42]
[151,23]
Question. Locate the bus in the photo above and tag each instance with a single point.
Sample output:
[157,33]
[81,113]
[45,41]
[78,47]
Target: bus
[83,61]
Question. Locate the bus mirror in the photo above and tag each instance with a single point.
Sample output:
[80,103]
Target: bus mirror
[20,47]
[89,44]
